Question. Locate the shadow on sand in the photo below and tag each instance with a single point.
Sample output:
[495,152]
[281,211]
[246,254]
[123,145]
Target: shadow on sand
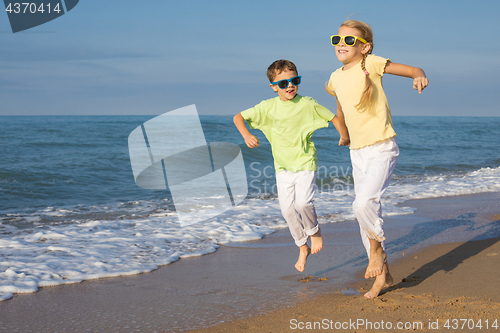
[425,230]
[452,259]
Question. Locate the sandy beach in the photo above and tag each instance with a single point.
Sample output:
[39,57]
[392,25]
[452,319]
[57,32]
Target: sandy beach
[449,287]
[444,259]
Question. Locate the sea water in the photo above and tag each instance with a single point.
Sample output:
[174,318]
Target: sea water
[70,209]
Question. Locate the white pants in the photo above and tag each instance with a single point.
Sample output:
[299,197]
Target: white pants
[295,193]
[372,168]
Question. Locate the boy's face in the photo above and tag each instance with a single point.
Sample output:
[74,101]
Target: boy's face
[289,92]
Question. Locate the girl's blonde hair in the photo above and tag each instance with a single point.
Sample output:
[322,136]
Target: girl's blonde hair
[367,100]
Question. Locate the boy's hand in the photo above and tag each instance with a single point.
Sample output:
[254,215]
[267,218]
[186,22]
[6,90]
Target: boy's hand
[252,141]
[344,142]
[419,83]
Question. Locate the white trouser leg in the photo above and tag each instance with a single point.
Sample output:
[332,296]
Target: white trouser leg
[372,168]
[295,193]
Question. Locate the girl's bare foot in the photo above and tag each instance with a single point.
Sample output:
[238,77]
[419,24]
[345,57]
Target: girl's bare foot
[316,242]
[376,262]
[382,281]
[301,262]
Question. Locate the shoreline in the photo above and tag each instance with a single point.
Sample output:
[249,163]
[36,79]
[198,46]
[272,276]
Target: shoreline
[443,292]
[439,287]
[244,283]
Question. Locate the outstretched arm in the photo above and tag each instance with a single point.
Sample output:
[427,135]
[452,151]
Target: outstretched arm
[420,81]
[250,140]
[339,123]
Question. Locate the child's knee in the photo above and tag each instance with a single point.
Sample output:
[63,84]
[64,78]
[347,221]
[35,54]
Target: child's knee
[360,204]
[288,214]
[304,207]
[366,206]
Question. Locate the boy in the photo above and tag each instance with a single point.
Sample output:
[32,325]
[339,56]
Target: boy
[288,121]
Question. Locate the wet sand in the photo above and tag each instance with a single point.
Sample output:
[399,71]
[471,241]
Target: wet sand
[444,259]
[448,287]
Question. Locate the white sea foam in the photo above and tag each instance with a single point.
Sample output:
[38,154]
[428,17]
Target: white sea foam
[75,250]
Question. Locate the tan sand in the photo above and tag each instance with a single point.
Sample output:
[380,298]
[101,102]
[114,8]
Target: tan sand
[443,288]
[444,284]
[434,282]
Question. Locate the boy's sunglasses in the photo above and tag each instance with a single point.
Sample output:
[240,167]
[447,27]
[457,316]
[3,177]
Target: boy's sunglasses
[284,83]
[348,40]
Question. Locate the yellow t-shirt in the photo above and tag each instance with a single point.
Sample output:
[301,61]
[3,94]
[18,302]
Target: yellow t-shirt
[364,128]
[289,126]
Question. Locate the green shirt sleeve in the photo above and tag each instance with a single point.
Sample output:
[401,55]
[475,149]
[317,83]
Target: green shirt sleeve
[256,116]
[323,112]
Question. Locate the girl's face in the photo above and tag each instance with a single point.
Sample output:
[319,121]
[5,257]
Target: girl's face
[350,55]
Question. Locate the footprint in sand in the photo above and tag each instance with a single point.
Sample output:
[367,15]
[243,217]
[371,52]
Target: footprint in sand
[311,278]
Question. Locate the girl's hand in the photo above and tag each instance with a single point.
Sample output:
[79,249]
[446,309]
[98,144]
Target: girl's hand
[417,74]
[344,142]
[419,83]
[252,141]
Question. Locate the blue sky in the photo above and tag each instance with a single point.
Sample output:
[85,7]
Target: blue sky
[124,57]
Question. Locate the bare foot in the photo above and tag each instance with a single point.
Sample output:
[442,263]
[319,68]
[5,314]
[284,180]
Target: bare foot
[316,242]
[382,281]
[376,263]
[301,262]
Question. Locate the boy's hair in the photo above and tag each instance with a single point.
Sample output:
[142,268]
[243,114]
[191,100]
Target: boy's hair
[280,66]
[367,100]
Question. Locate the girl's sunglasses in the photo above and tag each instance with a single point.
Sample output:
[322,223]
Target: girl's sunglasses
[284,83]
[348,40]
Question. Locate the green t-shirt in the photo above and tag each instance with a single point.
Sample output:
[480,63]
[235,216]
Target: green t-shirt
[289,126]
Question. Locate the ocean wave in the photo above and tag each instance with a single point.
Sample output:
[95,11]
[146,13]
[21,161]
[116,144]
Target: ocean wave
[60,245]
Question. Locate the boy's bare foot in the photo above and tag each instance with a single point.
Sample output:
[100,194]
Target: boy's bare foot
[382,281]
[316,242]
[301,262]
[376,263]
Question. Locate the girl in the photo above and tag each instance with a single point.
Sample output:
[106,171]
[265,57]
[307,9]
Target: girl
[363,106]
